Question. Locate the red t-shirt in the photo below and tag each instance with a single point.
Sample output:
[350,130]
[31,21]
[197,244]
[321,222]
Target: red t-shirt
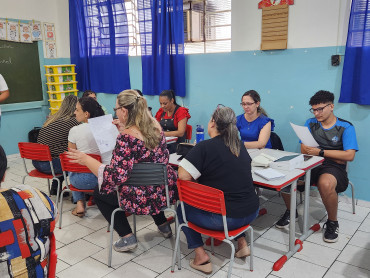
[180,114]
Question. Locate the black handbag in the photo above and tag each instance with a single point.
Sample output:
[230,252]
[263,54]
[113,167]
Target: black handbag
[33,134]
[183,149]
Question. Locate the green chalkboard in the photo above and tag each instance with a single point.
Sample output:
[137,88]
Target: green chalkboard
[20,67]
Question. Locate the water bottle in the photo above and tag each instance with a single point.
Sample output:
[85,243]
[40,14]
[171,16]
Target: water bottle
[200,133]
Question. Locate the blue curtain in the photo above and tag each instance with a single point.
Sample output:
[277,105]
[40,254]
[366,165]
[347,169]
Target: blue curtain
[356,68]
[162,46]
[99,44]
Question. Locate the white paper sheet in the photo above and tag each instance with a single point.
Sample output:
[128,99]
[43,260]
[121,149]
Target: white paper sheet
[105,133]
[304,135]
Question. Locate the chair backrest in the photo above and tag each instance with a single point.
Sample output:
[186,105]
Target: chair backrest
[68,166]
[189,131]
[34,151]
[276,142]
[201,196]
[147,173]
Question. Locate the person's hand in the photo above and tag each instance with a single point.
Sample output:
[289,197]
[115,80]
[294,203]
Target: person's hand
[77,157]
[312,150]
[119,125]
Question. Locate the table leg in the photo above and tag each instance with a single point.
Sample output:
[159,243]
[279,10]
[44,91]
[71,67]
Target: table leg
[293,206]
[306,201]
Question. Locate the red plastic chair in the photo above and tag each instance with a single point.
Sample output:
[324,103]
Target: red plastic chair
[189,131]
[52,257]
[68,166]
[212,200]
[35,151]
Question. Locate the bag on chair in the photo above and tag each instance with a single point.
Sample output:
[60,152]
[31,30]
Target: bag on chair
[33,134]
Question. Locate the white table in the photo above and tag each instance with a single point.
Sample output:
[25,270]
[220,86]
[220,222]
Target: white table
[308,165]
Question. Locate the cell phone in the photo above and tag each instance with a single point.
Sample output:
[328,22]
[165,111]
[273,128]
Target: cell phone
[306,157]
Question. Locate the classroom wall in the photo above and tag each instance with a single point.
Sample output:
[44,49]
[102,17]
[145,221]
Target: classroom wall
[286,79]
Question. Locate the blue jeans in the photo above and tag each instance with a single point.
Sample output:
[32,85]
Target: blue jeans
[209,220]
[44,166]
[82,181]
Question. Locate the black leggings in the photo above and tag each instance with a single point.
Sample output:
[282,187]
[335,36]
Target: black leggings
[108,203]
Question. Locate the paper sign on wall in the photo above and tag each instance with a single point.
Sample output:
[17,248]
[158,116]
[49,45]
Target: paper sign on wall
[12,30]
[49,31]
[25,32]
[51,49]
[36,31]
[2,29]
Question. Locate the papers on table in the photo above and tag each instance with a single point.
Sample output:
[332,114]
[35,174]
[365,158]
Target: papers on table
[288,162]
[304,135]
[262,160]
[269,174]
[104,132]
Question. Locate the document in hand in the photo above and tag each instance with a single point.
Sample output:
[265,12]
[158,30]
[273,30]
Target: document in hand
[104,132]
[269,174]
[304,135]
[262,160]
[288,162]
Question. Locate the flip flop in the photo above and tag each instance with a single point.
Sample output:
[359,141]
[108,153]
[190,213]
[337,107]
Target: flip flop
[204,267]
[242,253]
[79,214]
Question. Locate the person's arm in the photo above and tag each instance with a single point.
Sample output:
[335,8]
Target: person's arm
[337,155]
[79,157]
[184,175]
[4,95]
[263,138]
[181,129]
[72,146]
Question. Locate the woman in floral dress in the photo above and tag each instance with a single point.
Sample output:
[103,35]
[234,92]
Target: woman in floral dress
[141,140]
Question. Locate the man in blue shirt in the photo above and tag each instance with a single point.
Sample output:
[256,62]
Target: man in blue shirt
[338,145]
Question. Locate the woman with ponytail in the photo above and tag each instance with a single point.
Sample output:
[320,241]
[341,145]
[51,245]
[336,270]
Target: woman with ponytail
[254,125]
[141,140]
[221,162]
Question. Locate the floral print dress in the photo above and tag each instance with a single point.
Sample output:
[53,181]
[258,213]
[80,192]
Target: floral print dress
[138,199]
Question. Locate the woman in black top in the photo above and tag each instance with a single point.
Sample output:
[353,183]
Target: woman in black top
[223,163]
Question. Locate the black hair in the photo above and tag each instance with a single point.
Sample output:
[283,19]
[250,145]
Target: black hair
[87,93]
[138,91]
[90,105]
[256,98]
[322,97]
[3,163]
[170,94]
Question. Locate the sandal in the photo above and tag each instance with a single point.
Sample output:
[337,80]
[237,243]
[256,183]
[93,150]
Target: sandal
[79,214]
[204,267]
[242,253]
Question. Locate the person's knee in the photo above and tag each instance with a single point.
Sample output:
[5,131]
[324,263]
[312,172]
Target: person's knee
[326,185]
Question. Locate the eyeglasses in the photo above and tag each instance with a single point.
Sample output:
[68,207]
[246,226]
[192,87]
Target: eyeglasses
[247,103]
[318,110]
[116,108]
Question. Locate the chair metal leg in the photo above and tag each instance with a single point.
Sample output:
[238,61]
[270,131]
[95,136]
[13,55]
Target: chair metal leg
[212,245]
[60,208]
[231,263]
[49,189]
[110,247]
[251,248]
[177,250]
[134,219]
[353,197]
[58,194]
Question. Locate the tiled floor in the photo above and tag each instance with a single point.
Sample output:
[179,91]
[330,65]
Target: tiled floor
[82,244]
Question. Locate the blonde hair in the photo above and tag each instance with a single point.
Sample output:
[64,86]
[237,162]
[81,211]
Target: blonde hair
[138,115]
[65,112]
[225,120]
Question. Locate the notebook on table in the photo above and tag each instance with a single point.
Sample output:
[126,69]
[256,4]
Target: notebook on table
[269,174]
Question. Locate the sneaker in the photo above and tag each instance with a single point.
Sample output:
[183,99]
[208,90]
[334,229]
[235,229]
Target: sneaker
[285,219]
[165,229]
[331,231]
[125,244]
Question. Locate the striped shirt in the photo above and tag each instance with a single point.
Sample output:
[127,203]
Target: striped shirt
[55,135]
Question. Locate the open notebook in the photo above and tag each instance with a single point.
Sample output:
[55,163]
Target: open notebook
[269,174]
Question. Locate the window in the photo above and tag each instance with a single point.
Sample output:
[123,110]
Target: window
[359,25]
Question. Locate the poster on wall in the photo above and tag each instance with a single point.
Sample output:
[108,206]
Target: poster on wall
[25,32]
[12,31]
[2,29]
[49,31]
[36,31]
[51,50]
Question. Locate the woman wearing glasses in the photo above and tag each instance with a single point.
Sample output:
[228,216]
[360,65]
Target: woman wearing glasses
[223,163]
[141,140]
[254,125]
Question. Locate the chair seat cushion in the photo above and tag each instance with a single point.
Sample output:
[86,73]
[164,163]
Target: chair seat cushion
[38,174]
[72,188]
[216,234]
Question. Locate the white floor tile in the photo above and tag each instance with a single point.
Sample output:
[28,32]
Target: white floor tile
[362,203]
[157,259]
[59,244]
[241,268]
[101,237]
[265,221]
[148,239]
[170,243]
[118,258]
[183,273]
[269,250]
[355,256]
[132,270]
[61,266]
[274,208]
[88,267]
[280,235]
[317,254]
[361,239]
[345,212]
[93,219]
[67,219]
[298,268]
[77,251]
[71,233]
[317,238]
[342,270]
[365,226]
[217,261]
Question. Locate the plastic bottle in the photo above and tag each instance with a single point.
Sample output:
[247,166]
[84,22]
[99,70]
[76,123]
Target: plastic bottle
[200,133]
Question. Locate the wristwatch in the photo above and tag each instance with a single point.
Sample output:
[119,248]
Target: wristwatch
[321,153]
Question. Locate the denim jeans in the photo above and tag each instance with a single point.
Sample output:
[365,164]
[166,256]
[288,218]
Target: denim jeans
[44,166]
[209,220]
[82,181]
